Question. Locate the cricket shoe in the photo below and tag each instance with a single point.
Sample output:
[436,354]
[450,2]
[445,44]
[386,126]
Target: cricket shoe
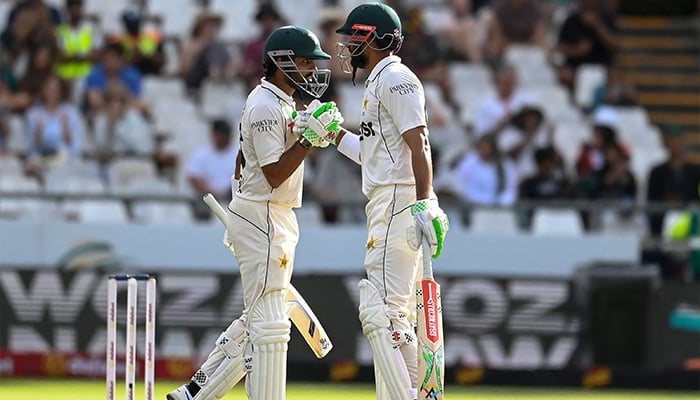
[181,393]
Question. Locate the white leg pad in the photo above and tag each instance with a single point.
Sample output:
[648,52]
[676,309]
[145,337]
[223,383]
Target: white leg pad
[269,333]
[225,365]
[375,326]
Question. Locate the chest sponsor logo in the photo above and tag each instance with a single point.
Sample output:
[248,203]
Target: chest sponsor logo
[264,125]
[366,130]
[404,88]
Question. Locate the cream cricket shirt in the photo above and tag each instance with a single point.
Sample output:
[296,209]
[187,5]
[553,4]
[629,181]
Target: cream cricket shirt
[393,103]
[265,135]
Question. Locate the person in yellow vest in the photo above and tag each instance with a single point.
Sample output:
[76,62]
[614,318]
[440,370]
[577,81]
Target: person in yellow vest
[78,42]
[142,48]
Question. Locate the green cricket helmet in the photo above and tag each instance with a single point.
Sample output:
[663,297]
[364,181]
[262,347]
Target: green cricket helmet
[289,42]
[373,25]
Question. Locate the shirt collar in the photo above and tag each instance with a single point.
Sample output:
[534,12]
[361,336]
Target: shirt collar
[276,90]
[381,65]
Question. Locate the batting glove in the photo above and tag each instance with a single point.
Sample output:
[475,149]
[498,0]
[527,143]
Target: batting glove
[324,119]
[430,222]
[300,127]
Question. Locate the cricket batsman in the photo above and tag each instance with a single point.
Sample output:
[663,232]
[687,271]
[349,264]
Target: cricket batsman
[264,230]
[393,150]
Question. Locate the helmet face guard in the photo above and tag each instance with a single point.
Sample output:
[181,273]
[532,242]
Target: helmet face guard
[362,37]
[312,81]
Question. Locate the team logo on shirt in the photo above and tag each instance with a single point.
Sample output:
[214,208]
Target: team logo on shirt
[263,125]
[366,130]
[404,88]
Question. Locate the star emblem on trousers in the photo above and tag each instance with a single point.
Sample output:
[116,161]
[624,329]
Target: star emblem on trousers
[371,243]
[283,261]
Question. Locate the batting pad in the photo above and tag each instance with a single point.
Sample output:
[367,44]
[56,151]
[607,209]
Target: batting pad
[387,359]
[269,333]
[224,366]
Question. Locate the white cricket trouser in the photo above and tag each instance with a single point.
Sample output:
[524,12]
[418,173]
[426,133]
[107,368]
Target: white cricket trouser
[264,237]
[390,263]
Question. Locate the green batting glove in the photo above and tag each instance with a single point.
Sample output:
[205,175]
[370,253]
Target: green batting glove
[430,222]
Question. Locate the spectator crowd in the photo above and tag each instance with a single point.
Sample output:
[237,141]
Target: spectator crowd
[80,96]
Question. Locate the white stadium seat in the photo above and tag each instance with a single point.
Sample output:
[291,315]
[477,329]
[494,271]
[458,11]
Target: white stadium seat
[493,221]
[239,19]
[123,171]
[588,78]
[103,211]
[556,222]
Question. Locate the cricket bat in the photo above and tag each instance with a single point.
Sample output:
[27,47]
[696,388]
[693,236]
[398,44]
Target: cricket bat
[431,349]
[301,314]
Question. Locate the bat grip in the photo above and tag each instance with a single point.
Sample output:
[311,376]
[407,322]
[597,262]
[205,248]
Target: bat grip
[427,260]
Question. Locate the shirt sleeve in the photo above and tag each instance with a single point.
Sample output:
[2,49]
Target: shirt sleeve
[403,97]
[268,129]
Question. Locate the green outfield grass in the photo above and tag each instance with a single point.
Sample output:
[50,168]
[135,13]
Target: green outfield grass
[32,389]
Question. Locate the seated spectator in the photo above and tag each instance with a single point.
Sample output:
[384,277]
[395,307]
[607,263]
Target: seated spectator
[675,181]
[588,36]
[515,22]
[12,98]
[496,110]
[54,128]
[112,67]
[615,91]
[614,181]
[527,132]
[211,167]
[40,68]
[486,178]
[79,44]
[549,181]
[28,25]
[591,158]
[269,19]
[142,48]
[119,129]
[204,55]
[463,42]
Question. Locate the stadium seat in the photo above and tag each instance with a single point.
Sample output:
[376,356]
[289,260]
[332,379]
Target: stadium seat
[306,13]
[109,13]
[123,171]
[520,56]
[613,222]
[218,97]
[239,19]
[493,221]
[568,138]
[102,211]
[588,78]
[556,222]
[177,16]
[17,143]
[165,213]
[156,88]
[30,207]
[10,165]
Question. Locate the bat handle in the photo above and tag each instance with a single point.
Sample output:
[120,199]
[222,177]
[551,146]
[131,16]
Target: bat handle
[427,260]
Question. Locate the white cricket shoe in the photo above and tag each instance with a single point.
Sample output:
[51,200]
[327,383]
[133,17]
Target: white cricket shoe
[181,393]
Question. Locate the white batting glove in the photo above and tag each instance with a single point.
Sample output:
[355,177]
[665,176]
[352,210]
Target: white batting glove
[324,119]
[300,127]
[430,222]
